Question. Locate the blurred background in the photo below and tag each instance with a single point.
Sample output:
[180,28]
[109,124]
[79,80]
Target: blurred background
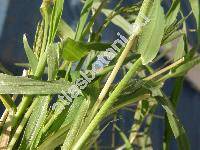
[21,16]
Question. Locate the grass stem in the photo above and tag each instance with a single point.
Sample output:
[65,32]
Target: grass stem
[108,104]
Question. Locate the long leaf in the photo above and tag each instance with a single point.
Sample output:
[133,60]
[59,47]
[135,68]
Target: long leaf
[94,16]
[35,124]
[195,4]
[63,116]
[60,123]
[55,140]
[55,19]
[118,20]
[177,88]
[22,85]
[172,13]
[182,69]
[84,15]
[22,124]
[176,126]
[74,131]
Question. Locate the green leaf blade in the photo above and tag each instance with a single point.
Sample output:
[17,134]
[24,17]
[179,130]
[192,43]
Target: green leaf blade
[35,123]
[55,19]
[52,61]
[75,128]
[31,56]
[152,33]
[176,126]
[65,31]
[84,15]
[172,13]
[118,20]
[74,50]
[21,85]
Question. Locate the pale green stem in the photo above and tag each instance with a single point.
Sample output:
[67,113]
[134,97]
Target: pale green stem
[143,12]
[26,101]
[107,105]
[175,64]
[113,74]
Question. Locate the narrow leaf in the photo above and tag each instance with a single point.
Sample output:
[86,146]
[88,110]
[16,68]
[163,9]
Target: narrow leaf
[172,13]
[84,15]
[175,96]
[22,85]
[35,123]
[55,19]
[195,4]
[124,137]
[119,21]
[176,126]
[63,115]
[29,53]
[182,69]
[75,128]
[7,102]
[52,61]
